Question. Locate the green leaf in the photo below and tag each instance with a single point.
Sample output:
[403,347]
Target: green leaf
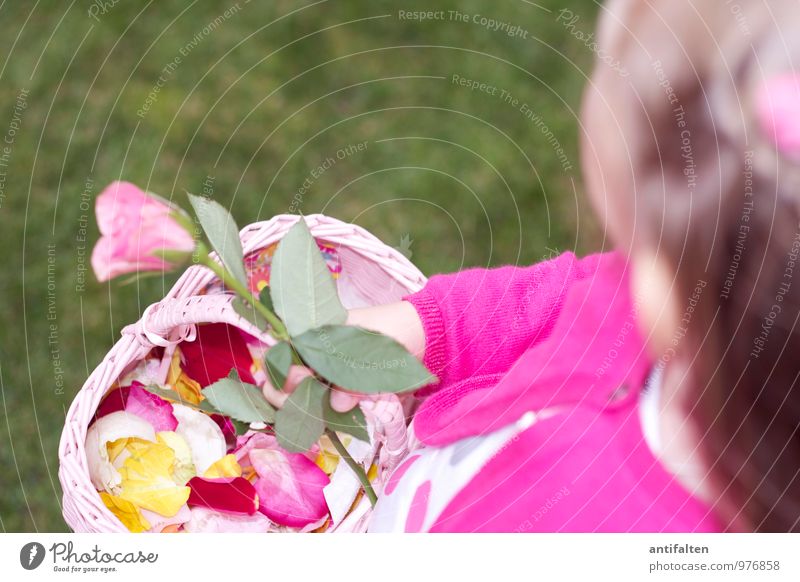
[299,423]
[278,362]
[175,396]
[352,422]
[301,286]
[222,233]
[247,311]
[239,426]
[239,400]
[361,360]
[265,299]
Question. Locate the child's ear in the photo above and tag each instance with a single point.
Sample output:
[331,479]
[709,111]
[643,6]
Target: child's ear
[653,285]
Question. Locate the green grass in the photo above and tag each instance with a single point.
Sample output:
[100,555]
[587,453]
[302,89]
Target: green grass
[258,103]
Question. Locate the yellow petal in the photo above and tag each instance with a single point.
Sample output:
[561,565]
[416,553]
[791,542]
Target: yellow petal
[327,461]
[372,473]
[227,466]
[189,390]
[115,448]
[178,380]
[175,369]
[147,479]
[184,468]
[250,474]
[127,512]
[328,458]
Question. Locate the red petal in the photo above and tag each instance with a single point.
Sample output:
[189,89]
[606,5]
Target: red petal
[227,428]
[217,348]
[134,399]
[230,495]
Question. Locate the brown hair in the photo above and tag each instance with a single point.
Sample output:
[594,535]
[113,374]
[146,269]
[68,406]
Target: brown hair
[693,176]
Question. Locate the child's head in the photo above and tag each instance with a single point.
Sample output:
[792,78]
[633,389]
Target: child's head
[692,163]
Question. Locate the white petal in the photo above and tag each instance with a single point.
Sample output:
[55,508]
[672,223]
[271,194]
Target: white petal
[203,435]
[206,520]
[158,522]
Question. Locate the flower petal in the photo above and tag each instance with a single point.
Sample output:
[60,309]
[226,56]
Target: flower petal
[290,487]
[189,390]
[184,468]
[252,441]
[206,520]
[231,495]
[227,428]
[114,426]
[204,437]
[227,466]
[134,399]
[126,512]
[134,225]
[259,440]
[217,349]
[158,523]
[147,479]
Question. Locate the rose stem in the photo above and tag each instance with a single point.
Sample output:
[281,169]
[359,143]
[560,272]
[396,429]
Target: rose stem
[357,469]
[278,329]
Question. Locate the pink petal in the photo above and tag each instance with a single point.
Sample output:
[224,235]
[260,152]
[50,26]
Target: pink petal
[289,486]
[113,200]
[251,441]
[134,399]
[134,225]
[259,440]
[230,495]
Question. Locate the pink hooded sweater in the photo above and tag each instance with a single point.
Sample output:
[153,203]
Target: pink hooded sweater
[560,335]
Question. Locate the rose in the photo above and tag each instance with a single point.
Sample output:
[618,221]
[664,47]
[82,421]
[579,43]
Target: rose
[135,227]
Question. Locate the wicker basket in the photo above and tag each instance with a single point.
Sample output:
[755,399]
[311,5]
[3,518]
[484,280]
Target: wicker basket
[371,273]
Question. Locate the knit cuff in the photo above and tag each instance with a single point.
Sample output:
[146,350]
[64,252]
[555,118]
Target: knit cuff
[433,326]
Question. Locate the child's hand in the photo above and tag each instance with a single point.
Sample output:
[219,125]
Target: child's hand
[341,401]
[397,320]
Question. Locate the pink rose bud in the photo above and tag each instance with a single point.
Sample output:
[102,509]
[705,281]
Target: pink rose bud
[135,227]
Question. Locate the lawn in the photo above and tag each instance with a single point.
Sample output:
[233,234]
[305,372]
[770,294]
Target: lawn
[468,151]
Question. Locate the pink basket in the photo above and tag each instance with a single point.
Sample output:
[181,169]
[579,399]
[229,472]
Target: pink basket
[371,273]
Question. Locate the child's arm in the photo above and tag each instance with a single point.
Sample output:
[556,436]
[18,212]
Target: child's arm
[478,321]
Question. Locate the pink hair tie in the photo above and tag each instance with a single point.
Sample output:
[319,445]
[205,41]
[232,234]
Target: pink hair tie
[779,113]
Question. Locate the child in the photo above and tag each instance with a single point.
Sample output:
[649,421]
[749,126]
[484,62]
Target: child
[652,388]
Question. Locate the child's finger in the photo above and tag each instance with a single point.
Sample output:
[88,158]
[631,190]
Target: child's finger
[343,401]
[296,375]
[293,378]
[273,395]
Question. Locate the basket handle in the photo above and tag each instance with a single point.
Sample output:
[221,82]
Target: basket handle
[385,412]
[171,321]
